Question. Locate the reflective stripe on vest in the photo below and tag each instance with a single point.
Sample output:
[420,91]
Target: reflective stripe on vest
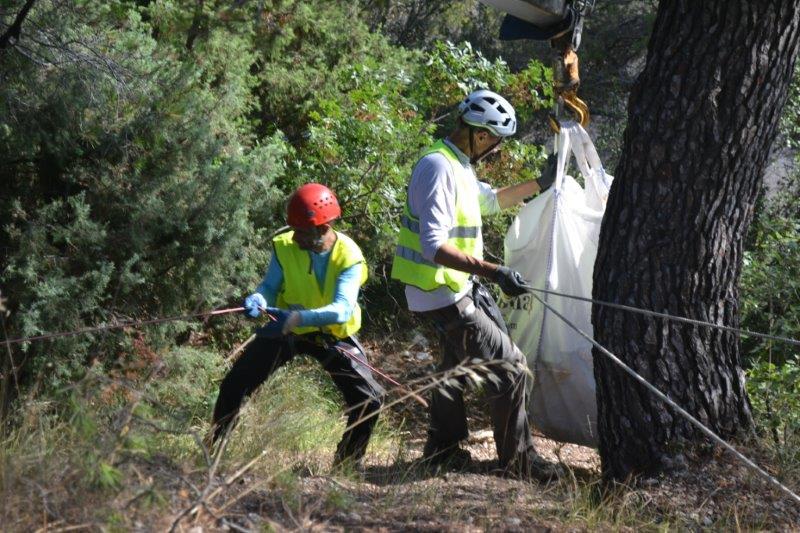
[459,231]
[409,266]
[301,289]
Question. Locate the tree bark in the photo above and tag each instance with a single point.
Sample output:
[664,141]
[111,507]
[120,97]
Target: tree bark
[701,120]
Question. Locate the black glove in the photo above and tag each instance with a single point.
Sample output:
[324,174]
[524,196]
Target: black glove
[511,282]
[548,175]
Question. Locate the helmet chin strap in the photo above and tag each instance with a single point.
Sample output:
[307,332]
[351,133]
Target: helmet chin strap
[474,159]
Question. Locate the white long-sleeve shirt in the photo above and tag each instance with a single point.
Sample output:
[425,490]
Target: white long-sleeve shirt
[432,200]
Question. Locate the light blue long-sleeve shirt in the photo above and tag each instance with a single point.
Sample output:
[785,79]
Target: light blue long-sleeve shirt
[345,296]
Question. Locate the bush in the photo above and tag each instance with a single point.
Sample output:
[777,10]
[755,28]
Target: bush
[770,282]
[775,395]
[770,302]
[133,177]
[147,165]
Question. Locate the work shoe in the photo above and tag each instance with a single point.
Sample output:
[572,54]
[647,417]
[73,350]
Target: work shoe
[534,468]
[451,457]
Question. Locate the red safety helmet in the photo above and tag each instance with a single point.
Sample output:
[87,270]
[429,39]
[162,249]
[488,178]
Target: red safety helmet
[312,205]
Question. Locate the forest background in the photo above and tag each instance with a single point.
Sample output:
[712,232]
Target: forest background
[146,153]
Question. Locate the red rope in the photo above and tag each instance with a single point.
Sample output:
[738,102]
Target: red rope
[372,368]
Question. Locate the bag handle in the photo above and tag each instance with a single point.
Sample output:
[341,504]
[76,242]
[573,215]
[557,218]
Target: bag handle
[588,159]
[563,147]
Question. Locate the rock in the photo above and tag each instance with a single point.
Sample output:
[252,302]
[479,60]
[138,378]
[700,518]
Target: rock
[481,436]
[354,517]
[420,340]
[423,356]
[513,521]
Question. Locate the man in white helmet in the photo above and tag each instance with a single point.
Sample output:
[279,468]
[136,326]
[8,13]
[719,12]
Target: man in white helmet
[438,257]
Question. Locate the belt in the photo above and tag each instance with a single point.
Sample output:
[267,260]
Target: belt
[463,308]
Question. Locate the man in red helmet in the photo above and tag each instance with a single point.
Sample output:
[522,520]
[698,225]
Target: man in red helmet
[310,292]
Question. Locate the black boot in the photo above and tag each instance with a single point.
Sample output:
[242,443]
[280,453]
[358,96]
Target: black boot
[450,457]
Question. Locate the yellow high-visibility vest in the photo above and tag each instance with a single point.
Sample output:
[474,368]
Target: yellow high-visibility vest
[409,266]
[301,288]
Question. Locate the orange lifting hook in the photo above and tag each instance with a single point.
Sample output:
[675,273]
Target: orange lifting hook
[566,80]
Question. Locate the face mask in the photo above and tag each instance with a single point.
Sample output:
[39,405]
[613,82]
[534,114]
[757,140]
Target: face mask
[313,239]
[318,241]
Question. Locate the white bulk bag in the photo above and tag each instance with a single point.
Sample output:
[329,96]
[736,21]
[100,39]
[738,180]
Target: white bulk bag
[553,244]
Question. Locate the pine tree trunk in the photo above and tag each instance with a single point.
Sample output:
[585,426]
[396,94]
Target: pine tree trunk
[702,119]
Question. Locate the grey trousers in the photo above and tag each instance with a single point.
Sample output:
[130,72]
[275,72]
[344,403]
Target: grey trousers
[468,333]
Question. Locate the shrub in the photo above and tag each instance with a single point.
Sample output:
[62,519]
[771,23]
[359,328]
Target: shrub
[132,176]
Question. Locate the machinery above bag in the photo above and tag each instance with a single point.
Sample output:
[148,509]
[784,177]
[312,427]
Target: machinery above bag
[540,13]
[561,23]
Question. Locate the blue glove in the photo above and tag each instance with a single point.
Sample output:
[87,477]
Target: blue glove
[253,304]
[274,328]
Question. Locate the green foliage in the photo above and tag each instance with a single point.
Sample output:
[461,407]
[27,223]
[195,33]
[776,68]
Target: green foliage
[775,396]
[770,283]
[770,302]
[303,51]
[187,389]
[364,140]
[124,437]
[133,176]
[790,123]
[150,160]
[106,476]
[297,416]
[338,500]
[362,145]
[419,23]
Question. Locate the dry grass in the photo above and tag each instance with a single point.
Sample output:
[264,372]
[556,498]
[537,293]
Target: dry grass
[128,456]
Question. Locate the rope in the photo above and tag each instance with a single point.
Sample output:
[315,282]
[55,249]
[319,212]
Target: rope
[96,329]
[388,378]
[713,436]
[131,324]
[674,318]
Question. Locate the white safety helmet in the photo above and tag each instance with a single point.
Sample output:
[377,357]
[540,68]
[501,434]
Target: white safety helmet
[489,110]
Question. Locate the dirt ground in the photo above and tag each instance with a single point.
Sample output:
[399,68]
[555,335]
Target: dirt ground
[397,493]
[401,495]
